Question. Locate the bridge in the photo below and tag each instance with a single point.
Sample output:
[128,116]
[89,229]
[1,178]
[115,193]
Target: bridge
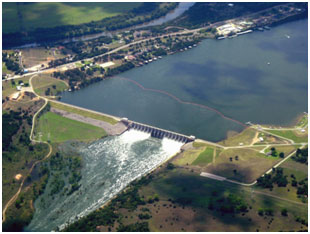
[157,132]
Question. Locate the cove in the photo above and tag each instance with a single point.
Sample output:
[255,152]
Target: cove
[259,77]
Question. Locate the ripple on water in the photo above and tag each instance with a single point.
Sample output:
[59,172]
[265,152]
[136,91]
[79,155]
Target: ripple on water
[109,165]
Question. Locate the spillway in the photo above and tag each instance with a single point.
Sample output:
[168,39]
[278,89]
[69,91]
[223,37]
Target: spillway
[109,165]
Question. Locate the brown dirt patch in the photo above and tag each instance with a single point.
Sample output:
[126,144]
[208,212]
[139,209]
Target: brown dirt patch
[18,176]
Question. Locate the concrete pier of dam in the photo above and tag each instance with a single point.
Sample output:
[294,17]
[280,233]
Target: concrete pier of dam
[157,132]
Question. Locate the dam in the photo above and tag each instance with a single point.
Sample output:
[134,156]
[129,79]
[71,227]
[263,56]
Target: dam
[157,132]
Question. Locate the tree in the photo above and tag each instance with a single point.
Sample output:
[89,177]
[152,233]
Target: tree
[269,211]
[170,166]
[236,157]
[284,212]
[281,155]
[274,152]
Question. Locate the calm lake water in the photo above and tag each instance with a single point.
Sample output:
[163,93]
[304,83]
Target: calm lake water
[259,77]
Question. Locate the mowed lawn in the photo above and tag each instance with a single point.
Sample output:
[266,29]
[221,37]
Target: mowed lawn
[246,137]
[297,137]
[247,167]
[29,16]
[43,82]
[205,157]
[56,128]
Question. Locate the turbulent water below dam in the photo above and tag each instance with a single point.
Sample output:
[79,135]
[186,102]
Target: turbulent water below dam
[109,165]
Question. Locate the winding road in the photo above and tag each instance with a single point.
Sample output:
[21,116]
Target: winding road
[12,200]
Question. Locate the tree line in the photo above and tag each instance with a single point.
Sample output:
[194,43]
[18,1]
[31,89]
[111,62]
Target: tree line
[144,13]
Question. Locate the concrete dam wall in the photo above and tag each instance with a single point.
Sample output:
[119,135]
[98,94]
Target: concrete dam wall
[157,132]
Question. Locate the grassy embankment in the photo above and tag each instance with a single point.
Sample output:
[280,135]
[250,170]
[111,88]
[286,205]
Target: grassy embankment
[29,16]
[45,85]
[84,113]
[296,135]
[55,128]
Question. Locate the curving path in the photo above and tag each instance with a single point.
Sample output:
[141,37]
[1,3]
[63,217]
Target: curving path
[12,200]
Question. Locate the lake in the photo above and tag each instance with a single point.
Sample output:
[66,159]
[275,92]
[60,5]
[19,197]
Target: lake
[259,77]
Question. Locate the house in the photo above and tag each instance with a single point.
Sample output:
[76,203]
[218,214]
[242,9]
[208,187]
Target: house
[130,57]
[261,139]
[19,88]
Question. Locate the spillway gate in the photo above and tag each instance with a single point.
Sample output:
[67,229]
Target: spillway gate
[157,132]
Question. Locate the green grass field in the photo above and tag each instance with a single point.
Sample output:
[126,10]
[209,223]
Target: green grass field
[244,137]
[29,16]
[205,157]
[188,157]
[303,121]
[302,137]
[56,128]
[182,185]
[299,170]
[43,82]
[249,166]
[84,113]
[5,69]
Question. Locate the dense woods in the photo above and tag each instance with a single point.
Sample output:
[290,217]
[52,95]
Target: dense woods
[301,156]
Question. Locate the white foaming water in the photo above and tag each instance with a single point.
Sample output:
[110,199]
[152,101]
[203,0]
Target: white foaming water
[109,165]
[171,147]
[133,135]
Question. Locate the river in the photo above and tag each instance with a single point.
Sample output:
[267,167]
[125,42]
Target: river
[109,165]
[259,77]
